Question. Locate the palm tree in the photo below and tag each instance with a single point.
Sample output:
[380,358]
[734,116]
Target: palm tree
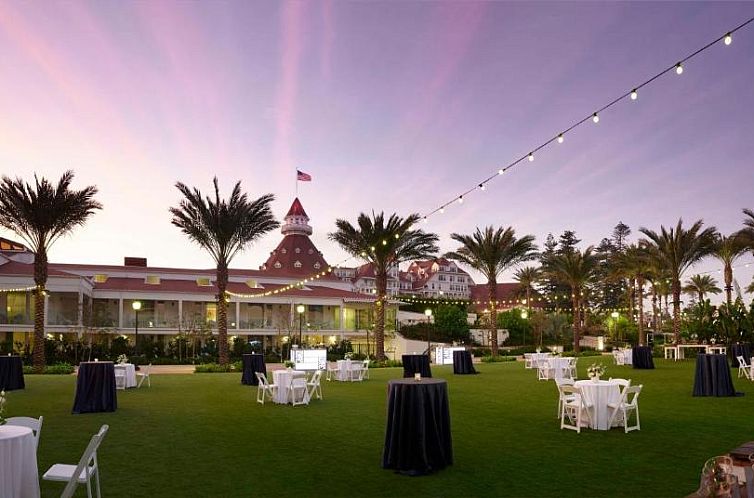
[385,244]
[526,278]
[223,228]
[728,250]
[635,264]
[41,214]
[747,233]
[491,252]
[676,249]
[701,285]
[576,269]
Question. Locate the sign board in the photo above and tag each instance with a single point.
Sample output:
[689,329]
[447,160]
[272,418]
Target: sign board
[309,359]
[444,356]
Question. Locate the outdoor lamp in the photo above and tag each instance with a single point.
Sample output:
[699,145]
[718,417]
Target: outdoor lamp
[615,314]
[524,314]
[428,312]
[136,305]
[300,310]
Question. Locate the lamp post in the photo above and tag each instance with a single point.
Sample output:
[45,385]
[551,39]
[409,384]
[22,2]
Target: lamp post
[524,316]
[136,305]
[300,310]
[614,315]
[428,314]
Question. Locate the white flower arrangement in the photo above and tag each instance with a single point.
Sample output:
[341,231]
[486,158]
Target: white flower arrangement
[348,355]
[122,359]
[596,370]
[2,407]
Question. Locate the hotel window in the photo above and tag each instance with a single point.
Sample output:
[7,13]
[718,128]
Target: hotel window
[152,280]
[100,278]
[204,282]
[252,284]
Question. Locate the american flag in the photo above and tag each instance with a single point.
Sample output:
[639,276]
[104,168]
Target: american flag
[303,177]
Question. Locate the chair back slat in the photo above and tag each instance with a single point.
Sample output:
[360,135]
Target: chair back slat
[90,455]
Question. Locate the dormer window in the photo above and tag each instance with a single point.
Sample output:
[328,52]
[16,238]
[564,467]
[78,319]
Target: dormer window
[152,280]
[317,266]
[297,264]
[297,250]
[311,251]
[252,283]
[100,278]
[277,264]
[203,282]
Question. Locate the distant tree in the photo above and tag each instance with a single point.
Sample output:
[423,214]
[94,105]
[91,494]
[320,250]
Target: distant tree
[452,320]
[491,252]
[620,235]
[701,285]
[40,214]
[223,228]
[556,293]
[727,250]
[527,277]
[385,243]
[518,328]
[567,242]
[675,250]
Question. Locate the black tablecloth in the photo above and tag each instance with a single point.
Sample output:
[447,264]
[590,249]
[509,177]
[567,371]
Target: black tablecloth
[416,363]
[252,363]
[713,376]
[462,363]
[95,388]
[740,350]
[11,373]
[641,357]
[417,440]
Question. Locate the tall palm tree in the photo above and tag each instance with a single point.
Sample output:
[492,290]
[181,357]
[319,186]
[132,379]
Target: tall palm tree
[385,243]
[676,249]
[491,252]
[576,269]
[747,233]
[223,228]
[41,214]
[728,250]
[701,285]
[526,278]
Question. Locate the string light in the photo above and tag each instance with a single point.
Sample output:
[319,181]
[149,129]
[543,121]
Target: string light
[20,289]
[460,199]
[482,186]
[679,68]
[531,156]
[560,138]
[595,118]
[634,94]
[728,39]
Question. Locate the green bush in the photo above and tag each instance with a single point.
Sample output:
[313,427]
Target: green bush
[57,369]
[583,353]
[217,368]
[497,359]
[385,364]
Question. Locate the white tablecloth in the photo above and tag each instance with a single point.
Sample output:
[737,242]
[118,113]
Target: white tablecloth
[559,368]
[538,358]
[130,373]
[344,370]
[18,463]
[282,378]
[599,394]
[628,356]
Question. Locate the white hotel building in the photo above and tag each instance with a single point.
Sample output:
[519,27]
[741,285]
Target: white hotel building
[98,298]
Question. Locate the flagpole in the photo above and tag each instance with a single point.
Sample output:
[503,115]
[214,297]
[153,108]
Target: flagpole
[295,175]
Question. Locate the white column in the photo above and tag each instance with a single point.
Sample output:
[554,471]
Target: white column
[238,315]
[81,308]
[47,307]
[180,314]
[120,313]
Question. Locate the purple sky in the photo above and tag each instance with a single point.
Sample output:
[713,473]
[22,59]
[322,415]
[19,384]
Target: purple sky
[389,106]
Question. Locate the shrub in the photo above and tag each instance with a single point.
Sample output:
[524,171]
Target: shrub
[385,364]
[583,353]
[217,368]
[57,369]
[497,359]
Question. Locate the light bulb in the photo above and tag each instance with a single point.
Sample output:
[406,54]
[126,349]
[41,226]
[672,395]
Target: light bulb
[678,68]
[425,219]
[384,242]
[634,94]
[482,186]
[595,118]
[728,39]
[460,199]
[500,171]
[442,210]
[531,156]
[560,138]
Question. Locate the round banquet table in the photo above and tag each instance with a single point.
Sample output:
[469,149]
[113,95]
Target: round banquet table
[642,358]
[558,367]
[417,439]
[252,363]
[95,388]
[463,363]
[11,373]
[18,463]
[130,369]
[344,370]
[712,376]
[416,363]
[282,378]
[598,394]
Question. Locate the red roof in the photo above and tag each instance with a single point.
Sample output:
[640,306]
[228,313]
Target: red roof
[296,209]
[27,270]
[296,256]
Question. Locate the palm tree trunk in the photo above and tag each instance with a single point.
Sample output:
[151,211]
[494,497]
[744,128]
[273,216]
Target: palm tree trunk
[640,295]
[576,321]
[492,294]
[631,298]
[728,282]
[676,310]
[654,309]
[40,279]
[379,321]
[528,299]
[222,314]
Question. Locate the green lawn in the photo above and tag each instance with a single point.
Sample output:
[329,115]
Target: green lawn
[205,435]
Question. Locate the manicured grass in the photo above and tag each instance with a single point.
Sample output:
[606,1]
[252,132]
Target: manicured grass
[204,435]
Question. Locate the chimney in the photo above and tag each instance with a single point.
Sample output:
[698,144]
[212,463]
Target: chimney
[129,261]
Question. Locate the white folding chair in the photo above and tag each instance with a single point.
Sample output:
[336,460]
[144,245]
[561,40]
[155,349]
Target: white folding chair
[528,361]
[622,383]
[620,358]
[299,390]
[35,424]
[574,371]
[573,409]
[743,368]
[356,373]
[144,375]
[332,370]
[558,383]
[86,469]
[314,385]
[629,402]
[264,388]
[365,374]
[120,377]
[543,370]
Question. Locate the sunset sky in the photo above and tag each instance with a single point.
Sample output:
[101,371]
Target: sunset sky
[395,106]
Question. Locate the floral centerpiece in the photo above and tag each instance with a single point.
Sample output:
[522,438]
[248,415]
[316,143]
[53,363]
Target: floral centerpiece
[595,371]
[2,407]
[348,356]
[122,359]
[288,364]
